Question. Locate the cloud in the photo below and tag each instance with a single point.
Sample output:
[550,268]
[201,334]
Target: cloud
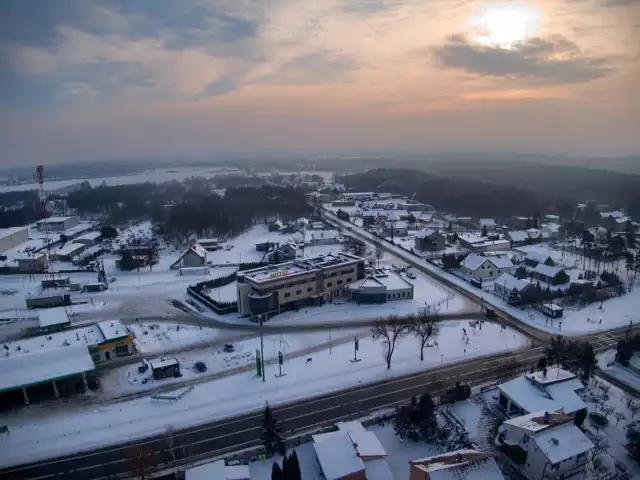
[553,60]
[368,6]
[319,67]
[620,3]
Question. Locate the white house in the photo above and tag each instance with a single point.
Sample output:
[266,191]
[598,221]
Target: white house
[553,390]
[506,284]
[517,237]
[485,268]
[547,445]
[195,256]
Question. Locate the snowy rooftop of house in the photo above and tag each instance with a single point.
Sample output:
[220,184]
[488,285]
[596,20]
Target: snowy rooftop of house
[113,329]
[425,233]
[54,219]
[353,426]
[39,367]
[537,256]
[562,442]
[163,362]
[5,232]
[534,422]
[336,456]
[461,464]
[69,249]
[367,444]
[473,261]
[614,214]
[472,238]
[534,233]
[547,270]
[511,283]
[518,235]
[500,261]
[208,240]
[199,250]
[490,243]
[315,234]
[553,227]
[535,393]
[89,236]
[49,317]
[378,469]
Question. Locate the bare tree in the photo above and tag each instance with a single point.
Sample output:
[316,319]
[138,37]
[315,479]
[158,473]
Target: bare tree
[424,328]
[389,331]
[606,409]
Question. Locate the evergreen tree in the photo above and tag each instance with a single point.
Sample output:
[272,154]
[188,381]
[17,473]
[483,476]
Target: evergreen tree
[272,434]
[586,360]
[294,472]
[484,230]
[276,472]
[127,263]
[633,442]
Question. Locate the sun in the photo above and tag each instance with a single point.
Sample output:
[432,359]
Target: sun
[506,25]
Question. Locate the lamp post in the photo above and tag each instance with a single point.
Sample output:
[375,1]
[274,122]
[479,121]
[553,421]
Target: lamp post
[261,319]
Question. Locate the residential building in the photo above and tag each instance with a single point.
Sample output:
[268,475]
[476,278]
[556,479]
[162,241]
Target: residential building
[485,268]
[488,223]
[58,224]
[552,390]
[479,243]
[218,471]
[517,237]
[281,253]
[380,287]
[209,244]
[276,226]
[546,445]
[359,195]
[398,228]
[461,464]
[506,284]
[551,230]
[520,222]
[194,256]
[429,240]
[551,275]
[297,283]
[534,258]
[12,237]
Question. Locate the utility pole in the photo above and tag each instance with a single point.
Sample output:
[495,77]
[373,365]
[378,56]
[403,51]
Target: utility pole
[261,318]
[356,347]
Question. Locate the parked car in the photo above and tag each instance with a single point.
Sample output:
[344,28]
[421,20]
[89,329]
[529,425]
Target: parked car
[200,367]
[229,348]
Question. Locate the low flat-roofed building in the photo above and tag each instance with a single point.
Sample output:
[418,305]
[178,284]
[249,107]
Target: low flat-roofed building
[12,237]
[209,244]
[58,224]
[32,262]
[68,251]
[321,237]
[381,287]
[218,471]
[88,239]
[53,319]
[337,457]
[298,283]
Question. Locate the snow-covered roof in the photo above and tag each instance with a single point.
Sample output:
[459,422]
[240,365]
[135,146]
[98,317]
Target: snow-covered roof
[546,270]
[163,362]
[337,456]
[113,329]
[353,426]
[48,317]
[539,257]
[367,444]
[238,472]
[89,236]
[378,469]
[534,233]
[198,250]
[208,240]
[501,261]
[535,393]
[472,238]
[397,224]
[21,370]
[518,235]
[534,422]
[487,222]
[473,261]
[208,471]
[562,442]
[69,249]
[614,214]
[53,220]
[511,283]
[425,233]
[552,227]
[459,465]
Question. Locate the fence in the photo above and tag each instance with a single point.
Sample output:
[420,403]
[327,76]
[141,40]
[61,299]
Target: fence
[218,307]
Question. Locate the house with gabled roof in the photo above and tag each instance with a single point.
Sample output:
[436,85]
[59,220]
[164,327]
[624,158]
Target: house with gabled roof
[485,268]
[194,256]
[460,464]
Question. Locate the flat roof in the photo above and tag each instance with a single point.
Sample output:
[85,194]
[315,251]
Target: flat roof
[298,267]
[85,336]
[55,219]
[89,236]
[562,442]
[113,329]
[48,317]
[68,249]
[208,471]
[6,232]
[26,369]
[534,422]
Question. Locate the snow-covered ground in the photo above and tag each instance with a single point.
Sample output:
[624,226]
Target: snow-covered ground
[619,311]
[39,434]
[606,362]
[152,338]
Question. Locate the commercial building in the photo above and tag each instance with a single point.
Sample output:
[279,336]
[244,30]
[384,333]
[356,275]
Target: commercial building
[381,287]
[297,283]
[89,239]
[53,319]
[12,237]
[68,251]
[546,446]
[58,224]
[32,262]
[460,464]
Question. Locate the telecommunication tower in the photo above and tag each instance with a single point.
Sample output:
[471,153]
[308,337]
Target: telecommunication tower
[40,176]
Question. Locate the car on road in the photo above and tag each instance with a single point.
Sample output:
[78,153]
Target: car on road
[229,348]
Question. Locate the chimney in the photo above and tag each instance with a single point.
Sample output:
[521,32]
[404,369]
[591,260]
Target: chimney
[545,419]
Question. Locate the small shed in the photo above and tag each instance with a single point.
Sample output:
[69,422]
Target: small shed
[165,368]
[552,310]
[53,319]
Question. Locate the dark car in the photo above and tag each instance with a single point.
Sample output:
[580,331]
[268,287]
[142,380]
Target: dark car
[200,367]
[229,348]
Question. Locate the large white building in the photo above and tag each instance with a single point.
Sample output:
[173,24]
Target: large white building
[12,237]
[58,224]
[298,283]
[546,445]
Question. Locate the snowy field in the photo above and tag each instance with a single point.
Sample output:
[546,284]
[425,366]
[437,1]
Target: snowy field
[152,338]
[38,434]
[606,362]
[621,310]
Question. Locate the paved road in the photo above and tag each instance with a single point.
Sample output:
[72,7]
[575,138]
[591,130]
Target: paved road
[220,437]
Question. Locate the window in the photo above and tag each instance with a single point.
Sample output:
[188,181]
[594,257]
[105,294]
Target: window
[330,284]
[298,292]
[349,280]
[309,289]
[121,351]
[287,295]
[339,282]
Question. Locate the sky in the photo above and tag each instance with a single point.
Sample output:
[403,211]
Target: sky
[90,79]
